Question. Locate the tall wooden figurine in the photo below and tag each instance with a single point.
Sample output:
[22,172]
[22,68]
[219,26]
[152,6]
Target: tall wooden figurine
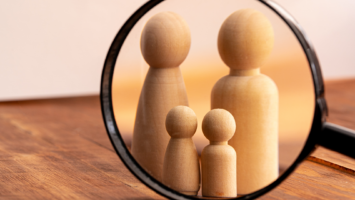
[218,160]
[165,43]
[181,170]
[245,41]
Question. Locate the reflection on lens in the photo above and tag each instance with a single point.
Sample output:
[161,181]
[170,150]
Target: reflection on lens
[240,73]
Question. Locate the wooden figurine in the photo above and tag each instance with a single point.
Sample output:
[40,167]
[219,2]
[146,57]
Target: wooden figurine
[181,170]
[219,160]
[165,43]
[245,41]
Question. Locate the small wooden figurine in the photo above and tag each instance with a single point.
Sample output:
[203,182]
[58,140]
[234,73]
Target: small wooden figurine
[165,43]
[181,170]
[245,41]
[219,160]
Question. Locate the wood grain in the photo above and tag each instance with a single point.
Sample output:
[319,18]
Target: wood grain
[59,149]
[165,43]
[218,159]
[181,169]
[245,41]
[340,97]
[314,181]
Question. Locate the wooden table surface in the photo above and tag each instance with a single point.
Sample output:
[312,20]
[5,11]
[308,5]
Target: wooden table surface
[59,149]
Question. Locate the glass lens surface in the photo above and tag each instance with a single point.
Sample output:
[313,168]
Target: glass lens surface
[286,66]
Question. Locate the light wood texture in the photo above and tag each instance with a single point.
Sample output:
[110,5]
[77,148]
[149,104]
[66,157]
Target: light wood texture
[165,43]
[181,170]
[244,42]
[59,149]
[219,160]
[165,40]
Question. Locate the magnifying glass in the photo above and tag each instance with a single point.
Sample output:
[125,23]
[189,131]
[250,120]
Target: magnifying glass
[292,65]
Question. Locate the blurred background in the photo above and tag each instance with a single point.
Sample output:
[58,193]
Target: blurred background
[57,48]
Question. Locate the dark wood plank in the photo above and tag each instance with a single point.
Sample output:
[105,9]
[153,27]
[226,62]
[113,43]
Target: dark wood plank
[314,181]
[340,96]
[59,149]
[333,159]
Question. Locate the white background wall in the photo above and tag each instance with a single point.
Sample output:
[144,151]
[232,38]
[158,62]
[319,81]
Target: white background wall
[57,48]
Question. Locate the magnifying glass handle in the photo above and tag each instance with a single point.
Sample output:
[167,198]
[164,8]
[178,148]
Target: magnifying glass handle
[339,139]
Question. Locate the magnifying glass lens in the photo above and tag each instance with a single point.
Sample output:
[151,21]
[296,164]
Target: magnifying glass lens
[286,66]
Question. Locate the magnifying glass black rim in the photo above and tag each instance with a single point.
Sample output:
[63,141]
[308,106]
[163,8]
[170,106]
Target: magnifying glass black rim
[119,145]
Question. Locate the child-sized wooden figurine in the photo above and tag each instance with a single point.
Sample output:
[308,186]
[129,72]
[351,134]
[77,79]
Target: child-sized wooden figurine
[245,41]
[181,170]
[219,160]
[165,43]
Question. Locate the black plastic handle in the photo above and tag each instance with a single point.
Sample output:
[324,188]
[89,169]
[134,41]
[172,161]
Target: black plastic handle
[338,139]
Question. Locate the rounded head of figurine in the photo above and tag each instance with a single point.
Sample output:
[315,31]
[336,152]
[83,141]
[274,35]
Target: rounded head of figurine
[165,40]
[218,125]
[245,40]
[181,122]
